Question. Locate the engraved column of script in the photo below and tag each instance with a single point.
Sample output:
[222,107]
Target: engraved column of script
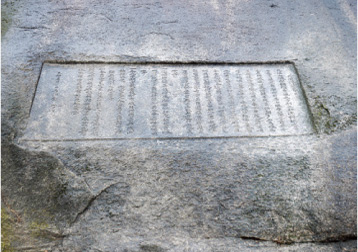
[198,112]
[273,90]
[154,114]
[55,92]
[99,101]
[212,126]
[165,101]
[297,96]
[234,119]
[241,97]
[187,116]
[219,99]
[267,109]
[110,84]
[77,98]
[293,87]
[290,109]
[253,101]
[86,108]
[120,101]
[297,93]
[131,103]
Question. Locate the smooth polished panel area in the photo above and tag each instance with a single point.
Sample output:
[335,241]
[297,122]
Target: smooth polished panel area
[129,101]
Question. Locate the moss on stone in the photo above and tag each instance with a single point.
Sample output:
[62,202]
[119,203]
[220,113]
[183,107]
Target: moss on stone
[37,228]
[7,11]
[7,230]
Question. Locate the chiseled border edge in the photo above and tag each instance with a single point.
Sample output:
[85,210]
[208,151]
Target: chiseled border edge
[188,63]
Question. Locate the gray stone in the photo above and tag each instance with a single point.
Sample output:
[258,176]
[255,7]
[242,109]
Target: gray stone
[127,101]
[194,194]
[43,196]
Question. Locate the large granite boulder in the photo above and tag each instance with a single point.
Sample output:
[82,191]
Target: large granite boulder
[295,192]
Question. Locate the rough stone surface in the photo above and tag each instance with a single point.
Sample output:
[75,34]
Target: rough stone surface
[247,194]
[40,193]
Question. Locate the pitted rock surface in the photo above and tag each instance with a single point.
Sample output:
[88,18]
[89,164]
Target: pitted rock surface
[271,193]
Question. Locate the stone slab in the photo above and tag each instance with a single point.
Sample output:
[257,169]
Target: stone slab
[129,101]
[193,194]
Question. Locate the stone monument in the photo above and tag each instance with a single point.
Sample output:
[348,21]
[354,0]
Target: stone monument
[179,125]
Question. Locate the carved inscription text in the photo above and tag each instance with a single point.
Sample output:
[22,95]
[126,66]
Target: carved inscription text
[126,101]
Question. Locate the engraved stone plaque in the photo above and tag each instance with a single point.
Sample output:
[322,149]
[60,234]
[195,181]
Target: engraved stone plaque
[129,101]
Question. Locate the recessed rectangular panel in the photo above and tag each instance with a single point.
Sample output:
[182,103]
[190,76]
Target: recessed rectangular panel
[127,101]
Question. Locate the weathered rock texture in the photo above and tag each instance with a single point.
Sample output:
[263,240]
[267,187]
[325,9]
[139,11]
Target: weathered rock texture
[248,194]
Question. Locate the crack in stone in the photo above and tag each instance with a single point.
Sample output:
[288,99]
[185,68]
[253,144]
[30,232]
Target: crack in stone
[90,202]
[160,34]
[341,238]
[32,27]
